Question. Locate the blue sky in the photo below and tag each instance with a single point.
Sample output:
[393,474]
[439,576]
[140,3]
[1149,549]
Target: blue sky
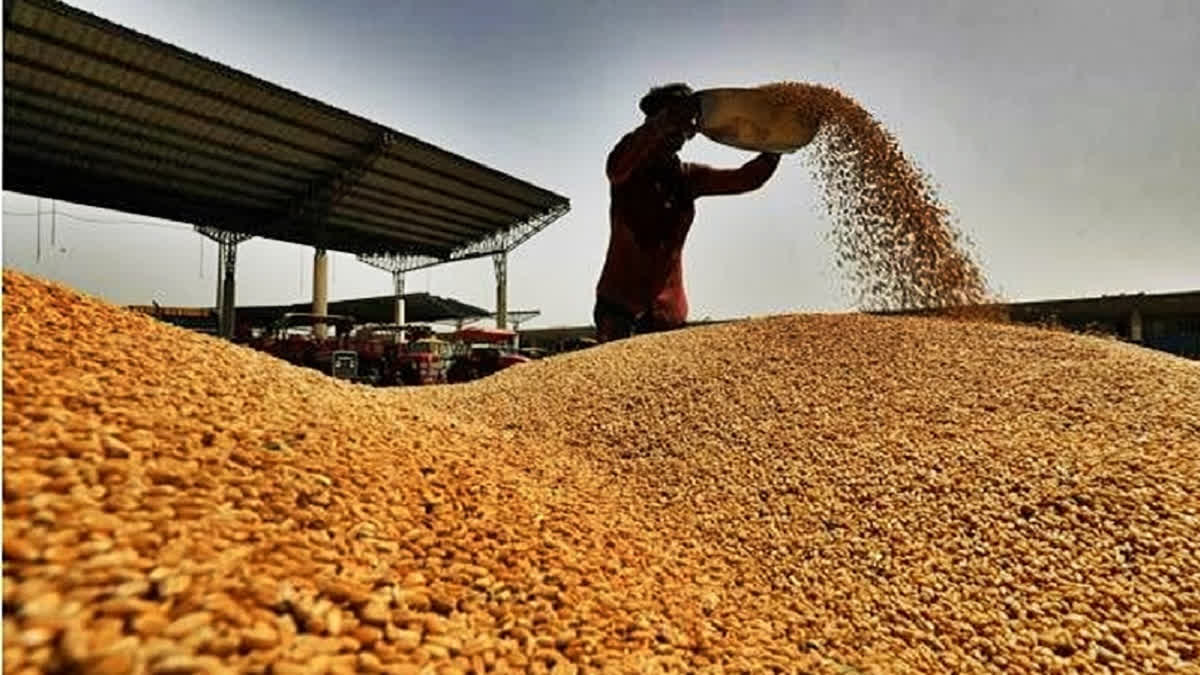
[1065,136]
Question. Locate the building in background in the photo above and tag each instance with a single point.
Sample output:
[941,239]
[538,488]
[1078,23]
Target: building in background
[1168,322]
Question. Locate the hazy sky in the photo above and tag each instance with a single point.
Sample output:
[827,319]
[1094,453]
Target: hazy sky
[1065,136]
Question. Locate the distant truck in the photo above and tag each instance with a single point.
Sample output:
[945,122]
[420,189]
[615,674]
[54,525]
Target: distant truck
[396,354]
[481,352]
[425,361]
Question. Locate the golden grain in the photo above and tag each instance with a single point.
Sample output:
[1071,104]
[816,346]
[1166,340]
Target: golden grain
[898,495]
[893,237]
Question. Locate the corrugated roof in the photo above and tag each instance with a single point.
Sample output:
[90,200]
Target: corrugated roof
[419,308]
[99,114]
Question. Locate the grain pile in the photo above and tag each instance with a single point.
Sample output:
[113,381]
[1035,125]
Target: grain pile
[926,494]
[173,504]
[899,495]
[892,235]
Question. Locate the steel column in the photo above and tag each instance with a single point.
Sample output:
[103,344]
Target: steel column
[220,278]
[229,296]
[397,265]
[227,243]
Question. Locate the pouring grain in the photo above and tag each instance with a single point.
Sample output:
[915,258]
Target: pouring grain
[893,237]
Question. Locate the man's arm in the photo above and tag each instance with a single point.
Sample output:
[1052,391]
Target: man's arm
[750,176]
[642,143]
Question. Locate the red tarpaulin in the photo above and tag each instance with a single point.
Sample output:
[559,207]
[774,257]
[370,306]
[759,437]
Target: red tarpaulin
[484,335]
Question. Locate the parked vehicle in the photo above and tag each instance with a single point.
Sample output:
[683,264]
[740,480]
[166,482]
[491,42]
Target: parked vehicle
[292,338]
[425,361]
[484,351]
[382,350]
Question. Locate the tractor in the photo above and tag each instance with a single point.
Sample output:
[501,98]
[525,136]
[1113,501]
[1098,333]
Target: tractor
[424,361]
[292,338]
[483,351]
[395,354]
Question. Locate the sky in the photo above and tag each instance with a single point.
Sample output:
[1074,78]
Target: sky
[1064,135]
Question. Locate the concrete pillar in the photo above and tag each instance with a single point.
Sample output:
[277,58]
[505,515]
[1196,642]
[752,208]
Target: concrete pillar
[1135,325]
[320,294]
[398,285]
[501,262]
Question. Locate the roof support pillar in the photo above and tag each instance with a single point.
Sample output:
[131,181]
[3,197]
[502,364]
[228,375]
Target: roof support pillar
[228,291]
[398,285]
[227,243]
[220,278]
[320,292]
[397,264]
[500,260]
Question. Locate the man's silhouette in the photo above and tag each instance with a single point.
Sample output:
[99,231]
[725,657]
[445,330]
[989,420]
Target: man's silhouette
[653,196]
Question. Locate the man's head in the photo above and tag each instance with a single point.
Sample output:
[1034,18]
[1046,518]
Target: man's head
[676,99]
[666,96]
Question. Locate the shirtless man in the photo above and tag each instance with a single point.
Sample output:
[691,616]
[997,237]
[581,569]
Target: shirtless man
[653,197]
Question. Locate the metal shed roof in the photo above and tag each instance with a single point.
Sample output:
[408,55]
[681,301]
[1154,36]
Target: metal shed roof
[420,308]
[98,114]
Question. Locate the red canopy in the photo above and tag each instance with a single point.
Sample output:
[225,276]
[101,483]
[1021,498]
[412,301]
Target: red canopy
[485,335]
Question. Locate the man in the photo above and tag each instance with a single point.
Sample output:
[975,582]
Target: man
[652,208]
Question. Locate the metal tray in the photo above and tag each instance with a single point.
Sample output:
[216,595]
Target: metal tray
[745,118]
